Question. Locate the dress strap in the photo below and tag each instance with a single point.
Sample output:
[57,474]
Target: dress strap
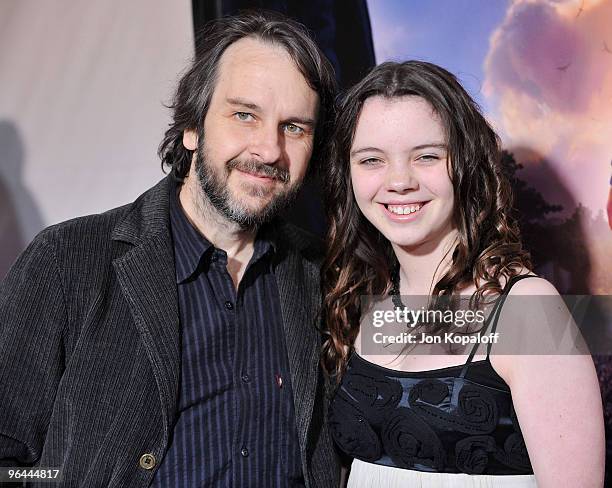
[493,317]
[509,285]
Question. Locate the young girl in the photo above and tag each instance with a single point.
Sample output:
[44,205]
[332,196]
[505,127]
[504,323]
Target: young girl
[419,206]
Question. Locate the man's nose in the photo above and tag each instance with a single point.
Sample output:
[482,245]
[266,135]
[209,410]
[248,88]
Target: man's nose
[266,144]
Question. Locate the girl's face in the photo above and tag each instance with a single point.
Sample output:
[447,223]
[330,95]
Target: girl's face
[399,171]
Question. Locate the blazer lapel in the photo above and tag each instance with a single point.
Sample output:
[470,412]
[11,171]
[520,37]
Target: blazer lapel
[298,293]
[146,274]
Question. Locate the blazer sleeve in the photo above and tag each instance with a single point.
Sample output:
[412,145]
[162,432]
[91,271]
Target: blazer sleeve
[32,320]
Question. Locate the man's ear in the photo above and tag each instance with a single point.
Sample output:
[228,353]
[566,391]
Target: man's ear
[190,139]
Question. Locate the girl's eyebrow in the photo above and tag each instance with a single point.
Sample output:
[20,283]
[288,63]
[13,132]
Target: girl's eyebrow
[433,145]
[366,149]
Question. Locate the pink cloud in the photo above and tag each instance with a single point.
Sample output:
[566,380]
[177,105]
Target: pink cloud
[549,81]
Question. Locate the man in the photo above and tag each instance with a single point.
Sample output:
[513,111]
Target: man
[173,341]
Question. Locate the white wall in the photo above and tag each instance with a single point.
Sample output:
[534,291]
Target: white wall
[82,87]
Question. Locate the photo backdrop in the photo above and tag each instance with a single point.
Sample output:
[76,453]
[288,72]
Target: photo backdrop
[83,87]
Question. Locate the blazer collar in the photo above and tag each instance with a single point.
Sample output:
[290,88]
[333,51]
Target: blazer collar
[298,286]
[148,216]
[147,279]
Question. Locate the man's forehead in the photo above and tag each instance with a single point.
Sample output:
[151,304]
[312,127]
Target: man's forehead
[254,69]
[253,49]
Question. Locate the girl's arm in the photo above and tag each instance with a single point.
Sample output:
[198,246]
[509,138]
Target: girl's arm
[556,397]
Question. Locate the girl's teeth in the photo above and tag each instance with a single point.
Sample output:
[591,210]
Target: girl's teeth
[403,209]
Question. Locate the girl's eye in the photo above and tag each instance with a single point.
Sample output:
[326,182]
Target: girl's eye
[293,129]
[243,116]
[369,161]
[427,158]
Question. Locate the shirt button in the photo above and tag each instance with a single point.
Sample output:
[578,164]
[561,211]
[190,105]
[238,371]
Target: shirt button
[246,378]
[147,461]
[229,305]
[244,452]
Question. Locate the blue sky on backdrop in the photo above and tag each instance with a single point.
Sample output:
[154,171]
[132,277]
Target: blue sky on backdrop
[540,69]
[441,31]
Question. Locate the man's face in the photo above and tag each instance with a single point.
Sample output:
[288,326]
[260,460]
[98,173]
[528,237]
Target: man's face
[258,133]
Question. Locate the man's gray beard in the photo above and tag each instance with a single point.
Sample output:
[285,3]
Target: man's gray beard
[219,195]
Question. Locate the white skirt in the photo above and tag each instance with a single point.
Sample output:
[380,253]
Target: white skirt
[368,475]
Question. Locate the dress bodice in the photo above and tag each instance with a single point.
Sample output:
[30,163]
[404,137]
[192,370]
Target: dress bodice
[458,419]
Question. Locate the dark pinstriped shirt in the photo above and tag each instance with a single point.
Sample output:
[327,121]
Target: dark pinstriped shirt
[236,423]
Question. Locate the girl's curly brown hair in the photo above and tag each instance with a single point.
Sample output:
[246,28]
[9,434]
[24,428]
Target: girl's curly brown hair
[360,260]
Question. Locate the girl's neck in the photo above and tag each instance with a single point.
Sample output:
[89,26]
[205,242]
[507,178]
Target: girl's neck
[422,267]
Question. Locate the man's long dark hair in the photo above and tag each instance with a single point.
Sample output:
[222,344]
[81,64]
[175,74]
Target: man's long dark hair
[195,88]
[360,260]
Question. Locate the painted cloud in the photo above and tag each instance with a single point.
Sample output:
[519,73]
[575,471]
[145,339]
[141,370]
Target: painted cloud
[548,75]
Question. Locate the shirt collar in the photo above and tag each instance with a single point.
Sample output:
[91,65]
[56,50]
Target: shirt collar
[190,246]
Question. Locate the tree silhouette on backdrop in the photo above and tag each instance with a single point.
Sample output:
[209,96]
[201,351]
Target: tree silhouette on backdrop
[558,249]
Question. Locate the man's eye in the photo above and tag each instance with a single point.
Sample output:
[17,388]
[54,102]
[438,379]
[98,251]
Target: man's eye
[293,129]
[243,116]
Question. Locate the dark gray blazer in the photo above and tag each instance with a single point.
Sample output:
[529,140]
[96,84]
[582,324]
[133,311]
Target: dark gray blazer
[90,356]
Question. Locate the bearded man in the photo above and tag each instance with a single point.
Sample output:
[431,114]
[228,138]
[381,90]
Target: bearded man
[173,341]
